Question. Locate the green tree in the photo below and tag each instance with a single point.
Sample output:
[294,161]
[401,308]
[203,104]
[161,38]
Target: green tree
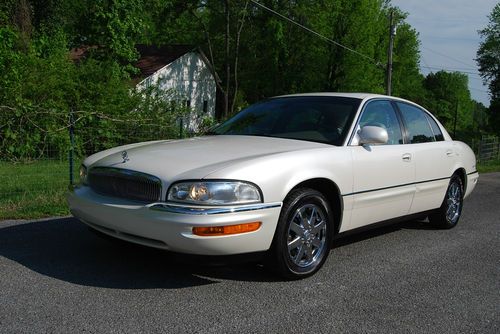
[407,81]
[281,57]
[448,97]
[172,22]
[220,25]
[480,118]
[488,59]
[360,25]
[41,86]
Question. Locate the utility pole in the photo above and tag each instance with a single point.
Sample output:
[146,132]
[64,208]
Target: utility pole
[392,33]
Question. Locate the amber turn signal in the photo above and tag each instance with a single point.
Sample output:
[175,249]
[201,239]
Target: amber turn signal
[225,230]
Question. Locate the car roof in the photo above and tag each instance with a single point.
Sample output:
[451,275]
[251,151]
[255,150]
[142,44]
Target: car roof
[361,96]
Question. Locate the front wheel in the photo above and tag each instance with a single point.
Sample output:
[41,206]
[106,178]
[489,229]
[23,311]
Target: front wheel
[448,214]
[303,237]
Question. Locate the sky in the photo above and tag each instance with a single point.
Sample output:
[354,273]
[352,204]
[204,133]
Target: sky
[448,32]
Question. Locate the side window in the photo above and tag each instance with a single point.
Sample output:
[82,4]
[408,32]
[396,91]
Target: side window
[419,130]
[382,114]
[435,129]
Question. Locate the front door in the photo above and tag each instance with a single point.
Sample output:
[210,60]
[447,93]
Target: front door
[383,175]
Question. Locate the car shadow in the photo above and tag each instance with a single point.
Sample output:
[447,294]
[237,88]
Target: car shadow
[377,230]
[65,249]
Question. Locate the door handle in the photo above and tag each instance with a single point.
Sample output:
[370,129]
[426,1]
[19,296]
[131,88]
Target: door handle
[406,157]
[449,153]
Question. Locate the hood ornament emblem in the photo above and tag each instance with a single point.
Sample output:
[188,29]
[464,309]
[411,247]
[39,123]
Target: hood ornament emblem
[125,156]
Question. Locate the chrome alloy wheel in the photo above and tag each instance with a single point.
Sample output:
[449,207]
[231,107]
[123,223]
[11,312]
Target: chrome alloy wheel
[306,236]
[453,202]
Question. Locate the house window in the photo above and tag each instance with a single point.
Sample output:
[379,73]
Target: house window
[187,103]
[205,106]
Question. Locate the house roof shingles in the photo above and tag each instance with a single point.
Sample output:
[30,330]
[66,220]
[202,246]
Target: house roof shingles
[153,58]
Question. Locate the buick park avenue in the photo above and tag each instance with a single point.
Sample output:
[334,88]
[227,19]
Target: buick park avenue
[283,178]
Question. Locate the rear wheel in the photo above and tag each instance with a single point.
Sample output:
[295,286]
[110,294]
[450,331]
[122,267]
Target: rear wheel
[303,237]
[448,214]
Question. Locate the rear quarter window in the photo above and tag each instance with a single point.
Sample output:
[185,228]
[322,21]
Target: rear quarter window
[435,129]
[417,124]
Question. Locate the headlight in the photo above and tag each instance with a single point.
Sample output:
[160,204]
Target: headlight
[83,174]
[214,193]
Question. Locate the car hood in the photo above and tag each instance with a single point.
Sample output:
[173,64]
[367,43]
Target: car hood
[196,157]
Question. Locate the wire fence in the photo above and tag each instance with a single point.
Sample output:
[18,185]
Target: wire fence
[34,184]
[488,149]
[35,178]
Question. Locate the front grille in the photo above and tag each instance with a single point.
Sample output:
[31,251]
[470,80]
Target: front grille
[125,183]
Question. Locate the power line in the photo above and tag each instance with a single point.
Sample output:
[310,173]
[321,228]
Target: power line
[447,38]
[318,34]
[447,56]
[459,68]
[425,63]
[433,20]
[478,79]
[430,68]
[444,69]
[372,60]
[479,90]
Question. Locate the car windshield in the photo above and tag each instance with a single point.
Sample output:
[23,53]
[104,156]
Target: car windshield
[323,119]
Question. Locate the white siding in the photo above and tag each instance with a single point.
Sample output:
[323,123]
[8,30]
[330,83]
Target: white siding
[191,80]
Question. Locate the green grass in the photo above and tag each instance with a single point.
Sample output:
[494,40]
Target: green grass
[36,190]
[489,166]
[33,190]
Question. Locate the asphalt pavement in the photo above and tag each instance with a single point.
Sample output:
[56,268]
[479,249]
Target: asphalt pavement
[57,277]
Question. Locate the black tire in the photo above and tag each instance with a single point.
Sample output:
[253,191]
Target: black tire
[309,243]
[449,213]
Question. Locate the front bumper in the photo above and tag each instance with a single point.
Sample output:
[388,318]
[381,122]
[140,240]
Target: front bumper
[169,226]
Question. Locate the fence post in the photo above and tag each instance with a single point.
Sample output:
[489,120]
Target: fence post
[479,145]
[498,150]
[72,145]
[181,128]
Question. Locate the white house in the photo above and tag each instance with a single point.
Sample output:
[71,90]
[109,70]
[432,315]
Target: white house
[186,73]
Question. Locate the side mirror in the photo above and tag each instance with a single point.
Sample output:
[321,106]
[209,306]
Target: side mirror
[373,135]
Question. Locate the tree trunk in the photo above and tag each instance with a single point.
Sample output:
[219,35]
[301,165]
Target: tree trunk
[228,66]
[236,55]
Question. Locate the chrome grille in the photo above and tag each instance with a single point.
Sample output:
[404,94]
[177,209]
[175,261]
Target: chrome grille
[124,183]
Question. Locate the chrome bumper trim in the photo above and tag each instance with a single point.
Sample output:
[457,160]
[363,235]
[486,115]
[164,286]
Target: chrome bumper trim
[212,210]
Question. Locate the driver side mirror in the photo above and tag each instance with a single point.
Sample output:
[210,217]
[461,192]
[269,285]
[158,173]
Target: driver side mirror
[372,135]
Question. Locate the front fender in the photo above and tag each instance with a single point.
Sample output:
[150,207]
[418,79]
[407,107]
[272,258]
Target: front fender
[278,174]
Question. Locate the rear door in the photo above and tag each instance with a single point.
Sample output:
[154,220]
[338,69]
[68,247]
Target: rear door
[433,156]
[383,175]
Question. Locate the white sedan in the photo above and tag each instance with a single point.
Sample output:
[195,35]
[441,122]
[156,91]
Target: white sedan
[284,177]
